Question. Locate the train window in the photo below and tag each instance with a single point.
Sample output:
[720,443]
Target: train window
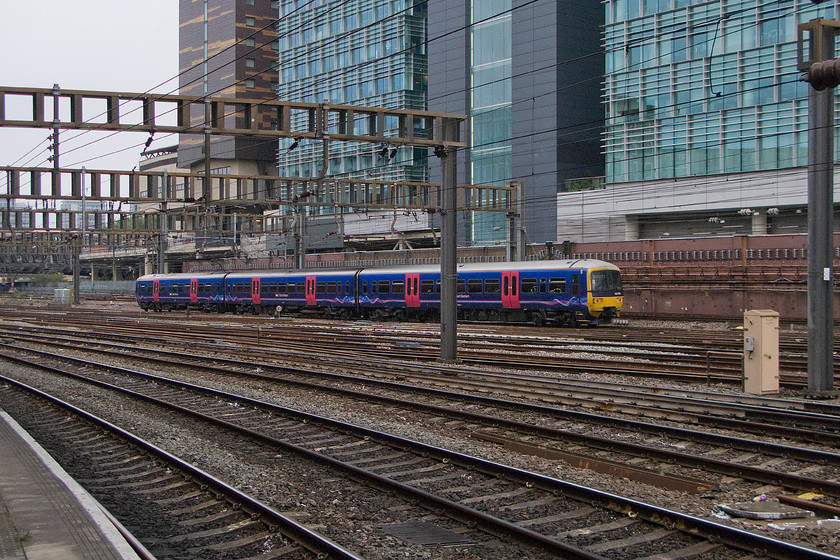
[462,286]
[265,288]
[321,288]
[281,287]
[529,285]
[332,288]
[364,287]
[491,286]
[576,284]
[606,281]
[542,285]
[300,287]
[474,285]
[347,287]
[397,287]
[384,286]
[427,286]
[557,285]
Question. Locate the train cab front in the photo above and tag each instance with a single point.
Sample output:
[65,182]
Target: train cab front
[606,296]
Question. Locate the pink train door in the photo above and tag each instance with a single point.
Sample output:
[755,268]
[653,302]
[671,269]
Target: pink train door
[255,291]
[412,290]
[311,284]
[510,290]
[193,290]
[156,290]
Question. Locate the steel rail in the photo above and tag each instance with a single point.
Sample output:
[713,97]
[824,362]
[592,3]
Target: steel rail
[791,481]
[685,523]
[291,529]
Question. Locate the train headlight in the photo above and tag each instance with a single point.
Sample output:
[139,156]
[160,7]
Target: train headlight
[598,300]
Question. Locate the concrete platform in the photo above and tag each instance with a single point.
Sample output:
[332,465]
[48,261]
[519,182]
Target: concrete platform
[44,513]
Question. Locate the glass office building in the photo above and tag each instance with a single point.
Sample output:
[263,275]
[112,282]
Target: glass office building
[528,76]
[367,52]
[699,87]
[490,125]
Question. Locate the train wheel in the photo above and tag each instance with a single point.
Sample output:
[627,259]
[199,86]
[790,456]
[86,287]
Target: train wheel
[538,318]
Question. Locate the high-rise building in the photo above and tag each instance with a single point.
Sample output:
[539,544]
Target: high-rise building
[228,48]
[368,53]
[528,75]
[358,52]
[707,121]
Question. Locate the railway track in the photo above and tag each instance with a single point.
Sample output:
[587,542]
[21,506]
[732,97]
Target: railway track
[176,510]
[645,354]
[499,420]
[545,517]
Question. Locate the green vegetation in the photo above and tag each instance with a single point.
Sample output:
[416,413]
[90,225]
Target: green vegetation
[47,279]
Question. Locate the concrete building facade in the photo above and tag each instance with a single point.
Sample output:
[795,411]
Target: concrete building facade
[234,44]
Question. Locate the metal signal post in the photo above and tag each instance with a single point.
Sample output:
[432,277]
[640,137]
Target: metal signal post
[822,34]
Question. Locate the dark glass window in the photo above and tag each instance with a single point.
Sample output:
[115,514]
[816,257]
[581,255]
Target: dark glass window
[491,286]
[529,285]
[474,285]
[557,285]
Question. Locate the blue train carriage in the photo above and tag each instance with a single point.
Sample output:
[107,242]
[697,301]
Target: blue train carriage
[331,293]
[542,292]
[399,293]
[168,292]
[568,292]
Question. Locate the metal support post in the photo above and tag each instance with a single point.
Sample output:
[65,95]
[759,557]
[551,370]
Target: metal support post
[77,265]
[515,250]
[164,226]
[84,208]
[56,122]
[299,235]
[449,244]
[820,213]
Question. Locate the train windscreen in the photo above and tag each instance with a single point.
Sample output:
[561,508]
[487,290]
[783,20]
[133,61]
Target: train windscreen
[606,281]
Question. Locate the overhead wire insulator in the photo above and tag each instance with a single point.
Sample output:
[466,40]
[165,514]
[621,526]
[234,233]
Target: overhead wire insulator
[825,74]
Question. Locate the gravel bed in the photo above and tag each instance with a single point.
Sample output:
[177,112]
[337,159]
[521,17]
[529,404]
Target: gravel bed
[267,482]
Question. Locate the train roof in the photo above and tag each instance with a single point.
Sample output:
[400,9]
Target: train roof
[293,273]
[182,276]
[569,264]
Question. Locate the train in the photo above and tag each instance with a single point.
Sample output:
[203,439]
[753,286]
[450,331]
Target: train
[567,292]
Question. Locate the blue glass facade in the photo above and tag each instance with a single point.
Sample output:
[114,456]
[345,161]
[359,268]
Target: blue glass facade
[367,52]
[699,87]
[490,126]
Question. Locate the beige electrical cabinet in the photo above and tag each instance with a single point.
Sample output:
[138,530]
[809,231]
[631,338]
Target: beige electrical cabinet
[761,351]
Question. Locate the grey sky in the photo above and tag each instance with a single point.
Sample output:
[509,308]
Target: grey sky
[108,45]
